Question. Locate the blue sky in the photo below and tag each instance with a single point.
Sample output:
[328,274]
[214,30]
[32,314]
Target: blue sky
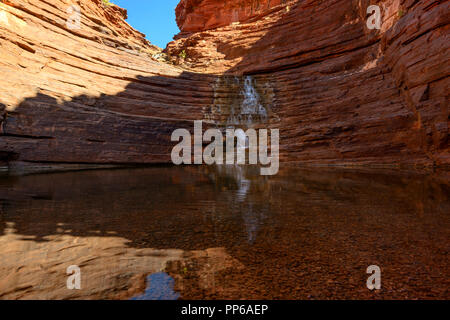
[155,18]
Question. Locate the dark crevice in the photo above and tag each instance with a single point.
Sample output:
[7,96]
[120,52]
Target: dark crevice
[25,136]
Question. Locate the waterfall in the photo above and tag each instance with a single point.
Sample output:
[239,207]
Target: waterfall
[240,102]
[251,105]
[251,108]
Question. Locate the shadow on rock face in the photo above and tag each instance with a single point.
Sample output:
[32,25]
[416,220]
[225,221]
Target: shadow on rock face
[133,127]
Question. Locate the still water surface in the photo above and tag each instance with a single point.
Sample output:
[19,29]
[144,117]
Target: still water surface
[225,233]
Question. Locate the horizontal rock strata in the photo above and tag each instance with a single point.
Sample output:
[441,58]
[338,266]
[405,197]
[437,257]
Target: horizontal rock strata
[340,94]
[93,95]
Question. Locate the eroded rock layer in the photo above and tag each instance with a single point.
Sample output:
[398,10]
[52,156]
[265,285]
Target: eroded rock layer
[200,15]
[344,93]
[339,92]
[92,95]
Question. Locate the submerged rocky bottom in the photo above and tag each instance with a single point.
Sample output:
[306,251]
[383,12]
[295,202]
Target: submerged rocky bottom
[225,233]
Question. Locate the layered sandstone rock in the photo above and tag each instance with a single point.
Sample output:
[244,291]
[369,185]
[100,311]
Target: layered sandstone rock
[340,94]
[343,93]
[200,15]
[89,95]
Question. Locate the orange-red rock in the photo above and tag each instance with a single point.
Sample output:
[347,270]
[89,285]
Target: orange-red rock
[340,94]
[343,94]
[200,15]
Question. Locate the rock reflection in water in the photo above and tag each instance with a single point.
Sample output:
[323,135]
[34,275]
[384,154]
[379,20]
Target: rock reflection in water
[225,232]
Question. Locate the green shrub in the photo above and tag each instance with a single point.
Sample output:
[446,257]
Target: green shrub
[182,54]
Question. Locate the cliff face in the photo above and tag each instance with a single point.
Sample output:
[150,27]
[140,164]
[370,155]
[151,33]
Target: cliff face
[89,95]
[339,92]
[200,15]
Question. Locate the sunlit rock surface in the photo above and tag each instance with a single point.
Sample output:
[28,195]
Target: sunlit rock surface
[200,15]
[93,95]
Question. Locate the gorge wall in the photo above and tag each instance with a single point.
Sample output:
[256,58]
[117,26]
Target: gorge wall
[340,94]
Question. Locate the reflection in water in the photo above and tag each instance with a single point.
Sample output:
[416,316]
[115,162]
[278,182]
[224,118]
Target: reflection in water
[224,233]
[160,287]
[252,217]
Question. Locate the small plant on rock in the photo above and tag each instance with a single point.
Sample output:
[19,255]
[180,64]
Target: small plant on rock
[182,54]
[107,3]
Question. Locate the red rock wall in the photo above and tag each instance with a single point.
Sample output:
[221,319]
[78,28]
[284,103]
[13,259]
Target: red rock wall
[200,15]
[338,92]
[343,93]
